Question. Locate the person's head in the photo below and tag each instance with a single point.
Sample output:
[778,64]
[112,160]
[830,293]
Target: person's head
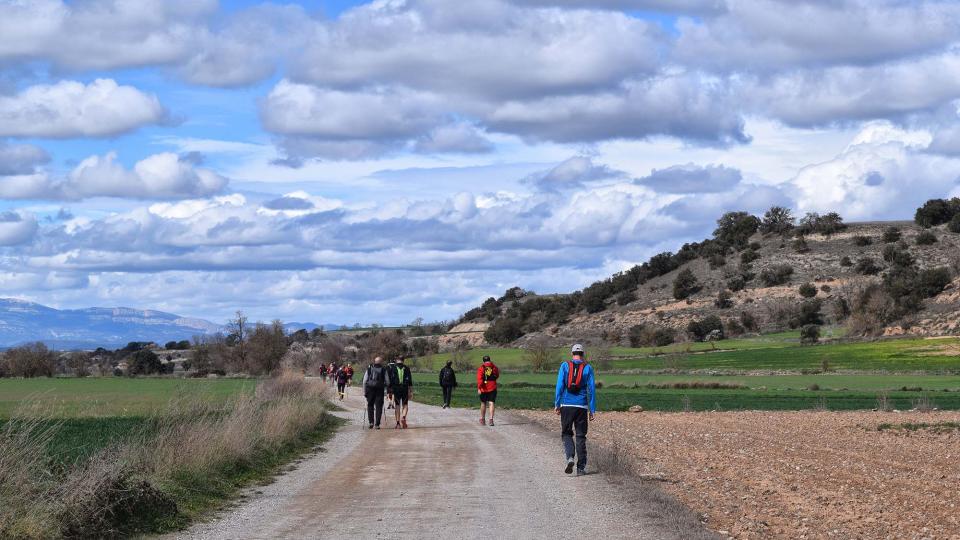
[399,359]
[486,359]
[577,351]
[377,360]
[449,363]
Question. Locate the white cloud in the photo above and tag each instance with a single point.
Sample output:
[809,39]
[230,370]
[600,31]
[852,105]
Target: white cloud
[454,138]
[73,109]
[16,228]
[571,173]
[21,159]
[885,173]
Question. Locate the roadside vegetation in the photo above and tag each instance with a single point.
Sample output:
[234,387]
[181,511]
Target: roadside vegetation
[122,472]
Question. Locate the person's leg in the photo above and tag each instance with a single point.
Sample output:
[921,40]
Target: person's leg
[378,406]
[493,406]
[447,395]
[581,424]
[566,433]
[371,403]
[396,405]
[483,411]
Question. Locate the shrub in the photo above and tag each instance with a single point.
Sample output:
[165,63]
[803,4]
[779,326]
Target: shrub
[734,328]
[748,320]
[539,356]
[504,330]
[891,234]
[845,261]
[926,238]
[724,300]
[593,301]
[826,225]
[800,245]
[748,256]
[736,283]
[30,360]
[736,228]
[717,260]
[898,255]
[867,267]
[809,313]
[808,290]
[861,240]
[937,212]
[145,362]
[810,333]
[776,275]
[626,297]
[777,220]
[706,327]
[685,284]
[954,225]
[643,335]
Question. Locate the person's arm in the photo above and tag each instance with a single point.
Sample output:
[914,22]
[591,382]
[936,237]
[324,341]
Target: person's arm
[593,394]
[440,376]
[480,379]
[364,381]
[561,379]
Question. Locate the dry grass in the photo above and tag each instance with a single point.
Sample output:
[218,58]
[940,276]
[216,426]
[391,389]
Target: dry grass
[189,453]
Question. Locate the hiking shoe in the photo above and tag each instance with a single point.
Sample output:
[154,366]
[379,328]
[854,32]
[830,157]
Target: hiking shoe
[569,468]
[491,423]
[403,422]
[581,472]
[483,422]
[397,426]
[378,426]
[371,426]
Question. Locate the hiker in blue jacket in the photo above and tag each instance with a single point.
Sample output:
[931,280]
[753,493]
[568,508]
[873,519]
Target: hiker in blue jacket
[575,401]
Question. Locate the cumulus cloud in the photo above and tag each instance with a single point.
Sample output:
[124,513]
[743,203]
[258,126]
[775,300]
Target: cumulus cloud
[160,176]
[703,7]
[74,109]
[571,173]
[885,173]
[16,228]
[692,178]
[777,35]
[20,159]
[454,138]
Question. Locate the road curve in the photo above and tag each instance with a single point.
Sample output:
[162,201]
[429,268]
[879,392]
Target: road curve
[445,477]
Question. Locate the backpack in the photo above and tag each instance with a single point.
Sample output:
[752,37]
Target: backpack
[490,373]
[446,377]
[575,376]
[375,377]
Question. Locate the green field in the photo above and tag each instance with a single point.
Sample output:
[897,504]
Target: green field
[774,372]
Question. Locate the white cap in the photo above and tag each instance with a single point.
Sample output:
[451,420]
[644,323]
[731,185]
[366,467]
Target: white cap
[578,348]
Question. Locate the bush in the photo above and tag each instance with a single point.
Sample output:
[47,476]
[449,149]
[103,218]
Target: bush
[776,275]
[777,220]
[936,212]
[800,245]
[867,267]
[926,238]
[809,313]
[845,261]
[954,225]
[826,225]
[539,356]
[626,297]
[748,256]
[810,334]
[648,335]
[860,240]
[504,330]
[593,302]
[892,234]
[724,300]
[145,362]
[685,284]
[897,255]
[748,321]
[717,260]
[735,229]
[706,327]
[808,290]
[736,283]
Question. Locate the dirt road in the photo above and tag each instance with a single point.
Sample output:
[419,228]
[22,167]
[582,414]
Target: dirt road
[445,477]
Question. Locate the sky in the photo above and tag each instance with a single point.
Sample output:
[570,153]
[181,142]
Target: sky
[342,162]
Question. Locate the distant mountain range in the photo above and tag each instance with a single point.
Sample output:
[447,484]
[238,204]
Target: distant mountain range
[23,322]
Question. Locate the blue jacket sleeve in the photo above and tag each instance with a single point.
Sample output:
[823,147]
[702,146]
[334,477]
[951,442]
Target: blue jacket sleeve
[561,387]
[593,392]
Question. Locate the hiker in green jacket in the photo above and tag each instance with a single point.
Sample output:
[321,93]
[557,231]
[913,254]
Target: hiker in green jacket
[401,387]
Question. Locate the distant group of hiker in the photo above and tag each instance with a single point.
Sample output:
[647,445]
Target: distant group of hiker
[574,398]
[341,375]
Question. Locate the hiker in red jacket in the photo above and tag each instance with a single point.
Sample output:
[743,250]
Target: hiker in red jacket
[487,375]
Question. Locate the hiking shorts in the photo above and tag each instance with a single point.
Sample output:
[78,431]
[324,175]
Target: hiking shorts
[401,395]
[488,397]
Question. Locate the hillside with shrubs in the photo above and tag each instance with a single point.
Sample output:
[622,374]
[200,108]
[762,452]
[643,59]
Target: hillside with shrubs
[756,274]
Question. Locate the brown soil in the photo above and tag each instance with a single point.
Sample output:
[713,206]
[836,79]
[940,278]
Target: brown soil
[799,474]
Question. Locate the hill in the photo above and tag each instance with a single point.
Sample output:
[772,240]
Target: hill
[880,278]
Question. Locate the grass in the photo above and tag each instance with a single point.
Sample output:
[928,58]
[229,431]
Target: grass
[620,399]
[935,427]
[157,463]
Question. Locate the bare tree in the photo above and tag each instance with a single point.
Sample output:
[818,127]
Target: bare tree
[238,336]
[539,355]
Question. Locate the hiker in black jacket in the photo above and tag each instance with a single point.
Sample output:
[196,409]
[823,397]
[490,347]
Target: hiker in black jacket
[448,381]
[401,387]
[374,387]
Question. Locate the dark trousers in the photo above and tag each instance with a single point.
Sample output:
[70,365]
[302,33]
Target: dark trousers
[341,387]
[574,419]
[447,395]
[374,406]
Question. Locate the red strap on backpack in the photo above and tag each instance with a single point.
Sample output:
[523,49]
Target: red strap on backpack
[573,374]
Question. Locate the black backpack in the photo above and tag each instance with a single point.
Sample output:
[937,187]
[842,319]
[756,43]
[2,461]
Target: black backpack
[446,377]
[376,377]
